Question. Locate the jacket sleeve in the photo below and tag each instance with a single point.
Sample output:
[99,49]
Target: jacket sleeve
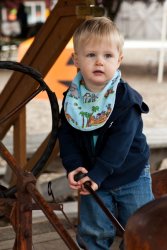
[120,138]
[69,152]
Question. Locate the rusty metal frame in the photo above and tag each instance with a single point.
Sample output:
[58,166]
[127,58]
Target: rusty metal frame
[19,209]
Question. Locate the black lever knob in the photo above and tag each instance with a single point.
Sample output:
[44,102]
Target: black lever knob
[79,176]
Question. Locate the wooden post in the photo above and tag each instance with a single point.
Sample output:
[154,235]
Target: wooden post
[19,139]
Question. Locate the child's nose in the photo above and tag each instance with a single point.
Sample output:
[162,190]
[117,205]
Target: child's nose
[99,62]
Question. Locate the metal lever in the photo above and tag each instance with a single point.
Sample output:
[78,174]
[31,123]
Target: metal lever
[79,176]
[87,186]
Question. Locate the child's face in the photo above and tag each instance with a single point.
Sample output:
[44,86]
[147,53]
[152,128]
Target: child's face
[97,59]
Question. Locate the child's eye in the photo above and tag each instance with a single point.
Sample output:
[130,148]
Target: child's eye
[108,55]
[91,55]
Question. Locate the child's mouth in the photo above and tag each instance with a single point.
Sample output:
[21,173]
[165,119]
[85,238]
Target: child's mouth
[98,72]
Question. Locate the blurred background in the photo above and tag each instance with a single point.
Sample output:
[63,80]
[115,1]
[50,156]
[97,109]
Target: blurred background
[136,19]
[144,26]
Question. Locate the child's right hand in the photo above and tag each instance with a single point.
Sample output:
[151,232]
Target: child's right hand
[72,183]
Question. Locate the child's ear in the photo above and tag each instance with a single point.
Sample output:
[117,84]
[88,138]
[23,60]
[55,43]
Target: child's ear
[120,59]
[75,59]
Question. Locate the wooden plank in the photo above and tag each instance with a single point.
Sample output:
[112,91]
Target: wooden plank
[156,137]
[51,241]
[46,238]
[20,138]
[19,147]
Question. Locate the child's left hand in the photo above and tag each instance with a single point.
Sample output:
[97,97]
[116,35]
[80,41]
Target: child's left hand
[83,191]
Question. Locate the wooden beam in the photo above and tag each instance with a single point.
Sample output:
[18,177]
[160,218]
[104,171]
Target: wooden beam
[19,139]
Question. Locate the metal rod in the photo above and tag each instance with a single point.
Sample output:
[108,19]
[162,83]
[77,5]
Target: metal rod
[52,217]
[9,158]
[112,218]
[24,220]
[48,211]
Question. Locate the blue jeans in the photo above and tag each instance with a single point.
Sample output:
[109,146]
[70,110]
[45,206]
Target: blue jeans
[94,227]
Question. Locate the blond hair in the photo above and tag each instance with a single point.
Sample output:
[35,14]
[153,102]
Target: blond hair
[98,27]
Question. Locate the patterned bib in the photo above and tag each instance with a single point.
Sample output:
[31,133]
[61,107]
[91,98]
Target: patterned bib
[86,110]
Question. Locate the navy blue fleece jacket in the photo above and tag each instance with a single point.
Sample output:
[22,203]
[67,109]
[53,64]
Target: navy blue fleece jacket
[121,150]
